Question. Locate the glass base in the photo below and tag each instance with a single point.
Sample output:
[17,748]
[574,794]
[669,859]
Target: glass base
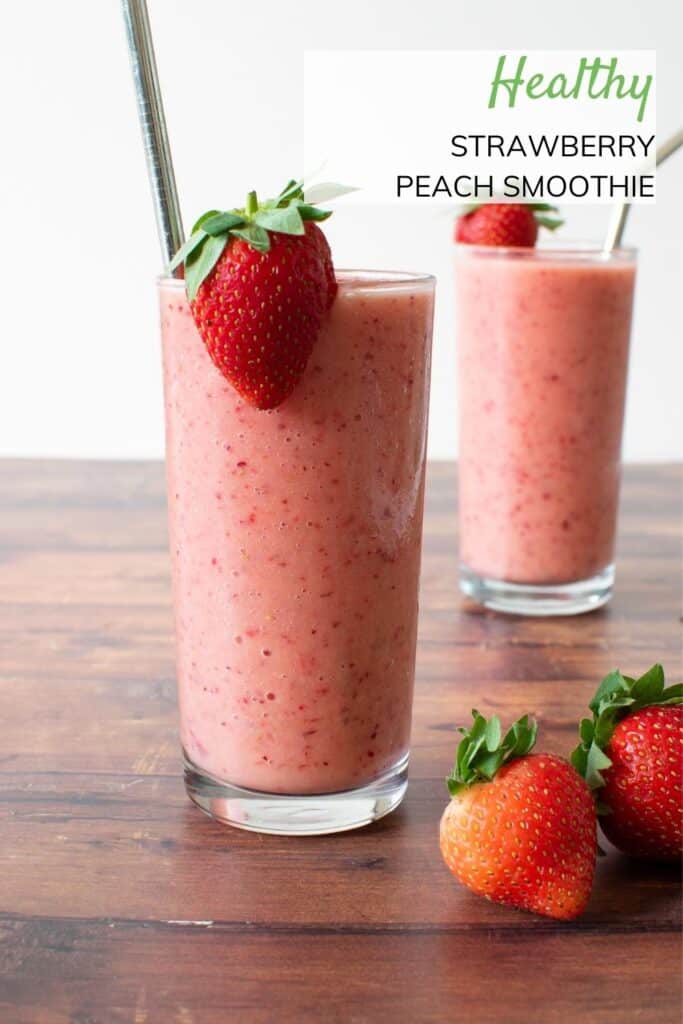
[304,815]
[530,599]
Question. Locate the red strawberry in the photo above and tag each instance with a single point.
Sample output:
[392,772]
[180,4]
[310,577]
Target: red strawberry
[260,282]
[510,224]
[631,754]
[520,829]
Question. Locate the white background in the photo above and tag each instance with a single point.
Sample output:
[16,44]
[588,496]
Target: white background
[79,255]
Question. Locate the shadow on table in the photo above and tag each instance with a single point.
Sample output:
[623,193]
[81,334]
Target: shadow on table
[632,893]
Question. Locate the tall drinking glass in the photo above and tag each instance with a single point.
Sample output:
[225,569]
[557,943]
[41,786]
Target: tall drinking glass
[295,541]
[543,340]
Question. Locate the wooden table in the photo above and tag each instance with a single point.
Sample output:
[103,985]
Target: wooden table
[121,902]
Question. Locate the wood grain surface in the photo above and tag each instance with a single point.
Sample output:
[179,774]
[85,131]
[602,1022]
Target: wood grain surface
[119,902]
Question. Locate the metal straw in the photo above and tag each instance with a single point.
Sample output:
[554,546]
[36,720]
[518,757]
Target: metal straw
[153,125]
[617,223]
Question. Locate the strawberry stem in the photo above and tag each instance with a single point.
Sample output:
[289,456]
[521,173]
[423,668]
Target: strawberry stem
[483,750]
[252,224]
[616,697]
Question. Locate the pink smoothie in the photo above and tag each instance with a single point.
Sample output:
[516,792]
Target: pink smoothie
[543,343]
[295,542]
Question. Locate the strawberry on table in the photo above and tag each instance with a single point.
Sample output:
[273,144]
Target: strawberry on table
[260,281]
[509,224]
[520,828]
[631,755]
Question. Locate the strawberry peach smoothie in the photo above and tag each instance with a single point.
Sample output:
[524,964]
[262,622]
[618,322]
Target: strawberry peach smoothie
[543,340]
[295,542]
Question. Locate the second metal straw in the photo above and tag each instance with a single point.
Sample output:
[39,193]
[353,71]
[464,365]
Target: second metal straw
[617,223]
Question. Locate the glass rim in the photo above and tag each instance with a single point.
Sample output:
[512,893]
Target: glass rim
[351,278]
[589,252]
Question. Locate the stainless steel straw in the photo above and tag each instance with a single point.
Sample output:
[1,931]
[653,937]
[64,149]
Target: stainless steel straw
[617,223]
[153,125]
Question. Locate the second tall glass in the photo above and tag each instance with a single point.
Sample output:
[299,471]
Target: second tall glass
[295,544]
[543,340]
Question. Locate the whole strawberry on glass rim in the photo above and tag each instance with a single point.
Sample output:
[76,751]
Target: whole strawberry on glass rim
[260,282]
[631,755]
[520,828]
[505,224]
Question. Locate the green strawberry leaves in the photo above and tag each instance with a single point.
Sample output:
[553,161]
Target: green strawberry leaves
[286,219]
[187,248]
[551,223]
[285,214]
[547,216]
[254,235]
[482,752]
[589,758]
[292,190]
[309,212]
[202,260]
[616,697]
[220,222]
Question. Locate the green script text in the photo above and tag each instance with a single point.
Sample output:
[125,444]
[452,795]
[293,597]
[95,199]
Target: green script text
[596,78]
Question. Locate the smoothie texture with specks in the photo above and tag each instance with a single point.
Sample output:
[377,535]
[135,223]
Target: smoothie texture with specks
[542,355]
[295,544]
